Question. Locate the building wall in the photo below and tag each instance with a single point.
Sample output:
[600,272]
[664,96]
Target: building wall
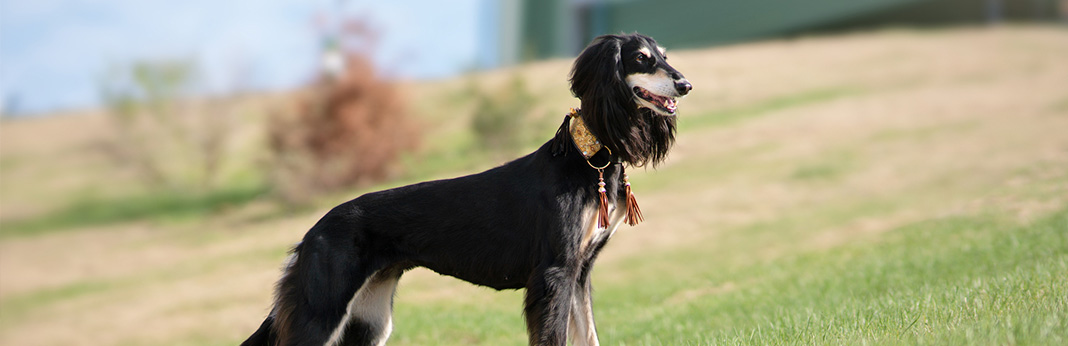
[689,23]
[952,12]
[539,24]
[556,28]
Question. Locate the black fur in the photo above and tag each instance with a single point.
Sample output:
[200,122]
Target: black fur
[519,225]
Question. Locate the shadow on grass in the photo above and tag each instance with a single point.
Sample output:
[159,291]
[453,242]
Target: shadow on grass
[159,205]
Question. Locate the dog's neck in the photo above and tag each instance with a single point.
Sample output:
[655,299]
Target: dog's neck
[587,144]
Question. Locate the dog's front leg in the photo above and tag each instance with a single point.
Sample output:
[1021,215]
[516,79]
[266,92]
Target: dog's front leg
[583,331]
[548,306]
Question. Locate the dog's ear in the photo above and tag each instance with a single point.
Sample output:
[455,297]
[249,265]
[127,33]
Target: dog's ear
[597,68]
[597,80]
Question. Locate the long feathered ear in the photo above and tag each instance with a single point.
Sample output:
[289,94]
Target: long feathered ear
[597,74]
[596,67]
[607,105]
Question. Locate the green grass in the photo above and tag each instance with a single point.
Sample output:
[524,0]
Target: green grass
[961,280]
[90,211]
[23,305]
[956,280]
[826,168]
[1060,106]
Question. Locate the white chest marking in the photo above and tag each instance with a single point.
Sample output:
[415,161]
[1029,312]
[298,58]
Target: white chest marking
[592,233]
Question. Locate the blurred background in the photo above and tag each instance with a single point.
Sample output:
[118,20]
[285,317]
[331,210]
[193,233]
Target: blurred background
[880,171]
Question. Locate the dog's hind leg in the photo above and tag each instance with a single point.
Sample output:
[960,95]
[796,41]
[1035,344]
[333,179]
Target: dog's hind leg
[369,317]
[321,280]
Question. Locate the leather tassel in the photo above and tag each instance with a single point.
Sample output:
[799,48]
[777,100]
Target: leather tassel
[634,214]
[602,210]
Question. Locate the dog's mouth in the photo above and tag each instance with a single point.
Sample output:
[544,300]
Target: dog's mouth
[664,103]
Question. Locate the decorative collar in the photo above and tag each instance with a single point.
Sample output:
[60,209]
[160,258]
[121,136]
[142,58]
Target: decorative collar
[589,145]
[585,141]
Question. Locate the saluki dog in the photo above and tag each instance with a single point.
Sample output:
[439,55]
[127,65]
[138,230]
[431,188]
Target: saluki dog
[537,222]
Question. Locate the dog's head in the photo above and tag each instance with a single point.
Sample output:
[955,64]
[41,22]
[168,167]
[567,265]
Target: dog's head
[629,96]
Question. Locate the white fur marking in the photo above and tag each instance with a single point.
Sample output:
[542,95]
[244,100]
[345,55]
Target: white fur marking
[593,233]
[379,308]
[581,330]
[372,304]
[657,83]
[581,326]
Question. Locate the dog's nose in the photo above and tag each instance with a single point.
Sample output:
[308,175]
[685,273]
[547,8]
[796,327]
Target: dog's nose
[683,87]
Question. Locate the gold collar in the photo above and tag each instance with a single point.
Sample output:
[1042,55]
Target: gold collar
[587,144]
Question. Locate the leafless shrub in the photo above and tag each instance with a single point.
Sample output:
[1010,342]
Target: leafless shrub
[166,136]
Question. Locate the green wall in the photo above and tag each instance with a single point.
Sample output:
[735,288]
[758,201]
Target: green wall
[554,28]
[689,23]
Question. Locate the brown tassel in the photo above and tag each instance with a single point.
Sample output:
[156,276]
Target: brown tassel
[634,214]
[602,210]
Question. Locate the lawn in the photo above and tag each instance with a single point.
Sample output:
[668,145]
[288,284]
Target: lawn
[888,187]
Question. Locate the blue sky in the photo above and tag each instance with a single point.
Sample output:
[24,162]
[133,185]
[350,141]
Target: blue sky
[53,53]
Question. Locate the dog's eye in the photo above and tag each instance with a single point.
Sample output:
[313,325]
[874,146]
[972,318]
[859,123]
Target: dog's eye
[640,58]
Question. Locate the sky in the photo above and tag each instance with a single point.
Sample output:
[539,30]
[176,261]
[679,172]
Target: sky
[54,54]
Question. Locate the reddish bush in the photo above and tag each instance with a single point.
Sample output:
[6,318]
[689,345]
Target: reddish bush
[341,132]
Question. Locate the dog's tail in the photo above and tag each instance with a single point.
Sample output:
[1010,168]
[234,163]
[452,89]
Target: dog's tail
[264,336]
[269,333]
[273,329]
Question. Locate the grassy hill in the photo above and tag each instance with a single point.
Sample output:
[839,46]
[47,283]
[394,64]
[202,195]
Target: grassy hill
[891,187]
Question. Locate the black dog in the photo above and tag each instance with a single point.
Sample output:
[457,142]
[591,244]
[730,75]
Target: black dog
[537,222]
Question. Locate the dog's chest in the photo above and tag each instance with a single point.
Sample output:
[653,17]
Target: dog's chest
[591,233]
